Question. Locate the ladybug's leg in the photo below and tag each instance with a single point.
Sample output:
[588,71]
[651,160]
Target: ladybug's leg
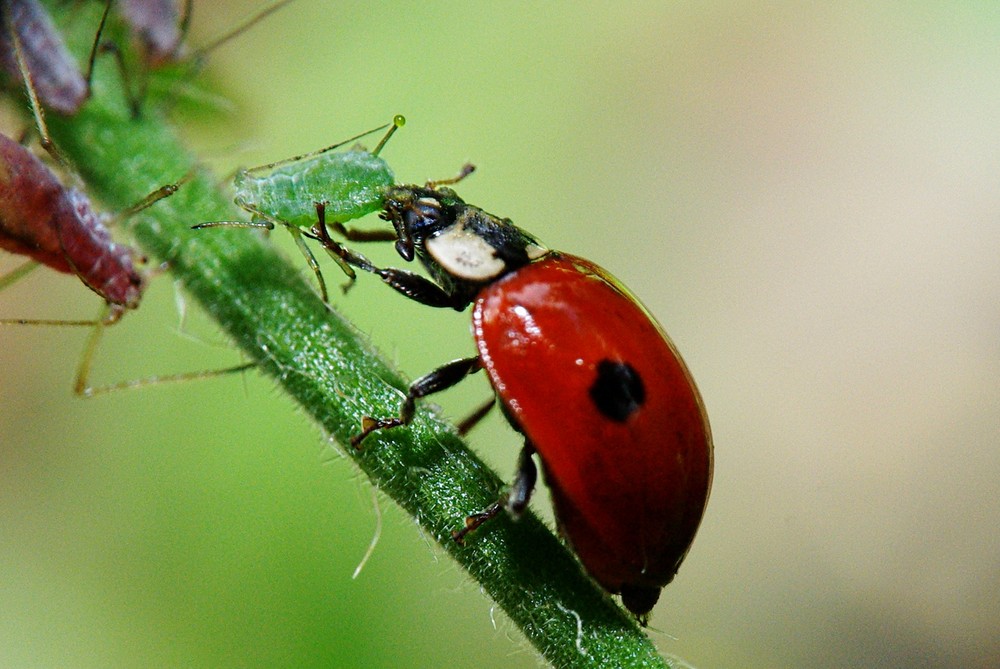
[439,379]
[473,418]
[355,235]
[524,482]
[514,501]
[413,286]
[421,289]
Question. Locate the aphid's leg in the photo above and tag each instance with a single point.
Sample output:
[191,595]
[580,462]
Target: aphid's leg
[112,48]
[133,99]
[310,260]
[267,221]
[111,315]
[18,273]
[437,380]
[198,56]
[333,249]
[98,47]
[268,225]
[83,390]
[36,108]
[185,23]
[413,286]
[514,501]
[473,418]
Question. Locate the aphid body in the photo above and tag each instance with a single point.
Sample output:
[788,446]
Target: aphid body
[348,184]
[306,192]
[158,26]
[56,78]
[57,226]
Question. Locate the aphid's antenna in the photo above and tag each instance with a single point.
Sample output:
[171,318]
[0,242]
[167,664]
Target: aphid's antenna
[397,121]
[36,105]
[156,195]
[97,46]
[200,53]
[185,19]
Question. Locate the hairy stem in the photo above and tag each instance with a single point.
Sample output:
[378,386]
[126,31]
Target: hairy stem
[336,376]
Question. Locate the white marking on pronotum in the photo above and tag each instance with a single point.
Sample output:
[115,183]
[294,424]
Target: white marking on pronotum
[464,254]
[375,537]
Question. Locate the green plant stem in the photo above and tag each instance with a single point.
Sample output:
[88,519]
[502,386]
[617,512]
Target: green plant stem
[336,376]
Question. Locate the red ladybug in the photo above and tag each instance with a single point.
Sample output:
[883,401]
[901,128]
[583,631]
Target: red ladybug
[584,372]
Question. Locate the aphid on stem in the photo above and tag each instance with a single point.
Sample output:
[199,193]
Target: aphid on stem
[159,30]
[33,53]
[57,226]
[308,192]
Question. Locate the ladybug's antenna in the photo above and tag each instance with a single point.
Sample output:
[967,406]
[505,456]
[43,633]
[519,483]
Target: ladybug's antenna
[466,170]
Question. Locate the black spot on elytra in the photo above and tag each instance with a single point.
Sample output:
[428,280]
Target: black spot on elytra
[617,392]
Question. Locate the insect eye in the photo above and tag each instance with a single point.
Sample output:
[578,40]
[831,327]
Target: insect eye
[429,214]
[425,216]
[428,208]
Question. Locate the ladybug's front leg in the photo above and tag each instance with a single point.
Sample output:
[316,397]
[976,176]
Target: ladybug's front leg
[413,286]
[515,500]
[439,379]
[421,289]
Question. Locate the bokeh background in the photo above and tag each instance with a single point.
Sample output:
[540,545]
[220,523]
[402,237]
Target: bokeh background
[806,195]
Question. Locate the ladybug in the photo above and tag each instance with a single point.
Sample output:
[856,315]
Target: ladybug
[581,369]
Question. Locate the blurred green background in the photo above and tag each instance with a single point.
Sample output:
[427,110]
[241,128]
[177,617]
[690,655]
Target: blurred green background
[807,196]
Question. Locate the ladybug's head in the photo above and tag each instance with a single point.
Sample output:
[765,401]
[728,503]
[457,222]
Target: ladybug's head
[454,238]
[418,213]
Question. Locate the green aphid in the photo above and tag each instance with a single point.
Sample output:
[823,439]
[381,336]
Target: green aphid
[350,184]
[306,193]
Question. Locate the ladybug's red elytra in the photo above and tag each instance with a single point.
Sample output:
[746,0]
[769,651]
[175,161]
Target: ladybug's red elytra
[584,372]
